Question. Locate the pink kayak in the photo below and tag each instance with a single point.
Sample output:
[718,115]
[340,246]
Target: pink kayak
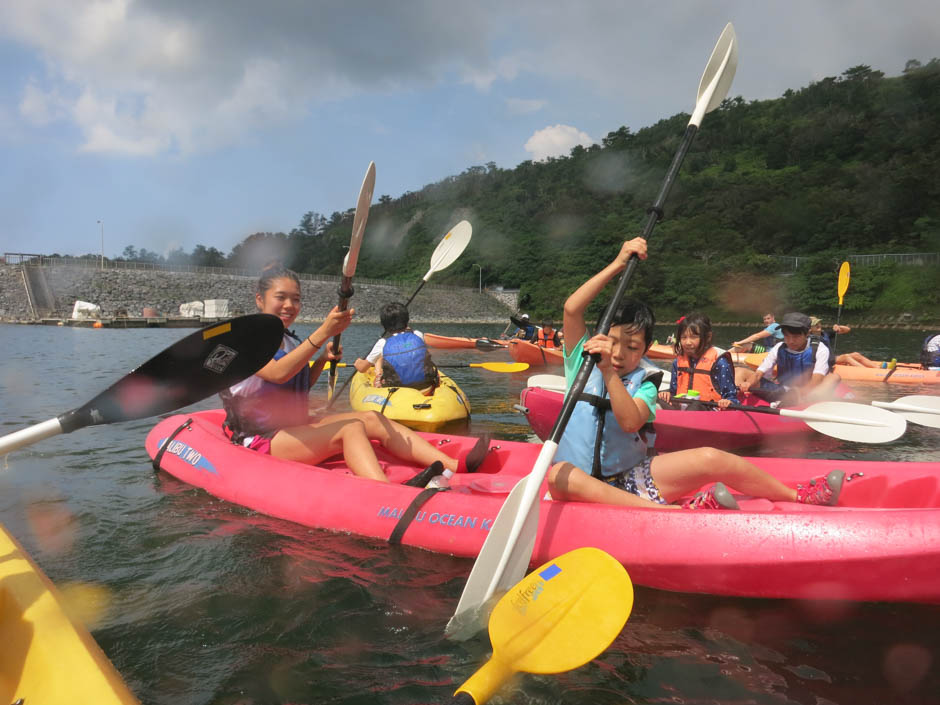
[882,543]
[678,430]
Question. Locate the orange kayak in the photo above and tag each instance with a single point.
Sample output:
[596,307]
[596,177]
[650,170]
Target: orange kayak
[522,351]
[661,352]
[906,372]
[453,343]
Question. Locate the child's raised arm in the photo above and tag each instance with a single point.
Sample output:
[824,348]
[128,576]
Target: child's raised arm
[577,303]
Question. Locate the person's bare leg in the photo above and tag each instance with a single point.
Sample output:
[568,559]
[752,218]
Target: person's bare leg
[401,441]
[316,442]
[567,482]
[682,472]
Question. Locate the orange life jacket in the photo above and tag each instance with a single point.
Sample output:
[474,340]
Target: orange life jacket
[544,342]
[703,378]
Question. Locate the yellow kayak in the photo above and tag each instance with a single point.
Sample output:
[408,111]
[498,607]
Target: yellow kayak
[409,406]
[46,657]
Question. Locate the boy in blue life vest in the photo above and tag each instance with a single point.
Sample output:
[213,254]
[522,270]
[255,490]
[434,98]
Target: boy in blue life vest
[604,452]
[400,356]
[799,366]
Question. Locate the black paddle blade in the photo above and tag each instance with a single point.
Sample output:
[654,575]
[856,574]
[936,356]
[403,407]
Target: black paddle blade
[196,367]
[487,345]
[518,322]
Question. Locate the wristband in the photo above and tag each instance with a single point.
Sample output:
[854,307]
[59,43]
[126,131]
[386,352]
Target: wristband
[315,346]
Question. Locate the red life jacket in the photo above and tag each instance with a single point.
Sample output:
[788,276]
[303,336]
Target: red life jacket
[704,377]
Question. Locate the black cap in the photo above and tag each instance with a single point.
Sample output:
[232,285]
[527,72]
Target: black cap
[797,321]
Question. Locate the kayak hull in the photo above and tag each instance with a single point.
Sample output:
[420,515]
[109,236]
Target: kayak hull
[523,351]
[46,657]
[882,545]
[448,404]
[678,430]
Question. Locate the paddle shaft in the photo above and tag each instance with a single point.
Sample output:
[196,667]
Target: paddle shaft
[794,413]
[899,406]
[345,293]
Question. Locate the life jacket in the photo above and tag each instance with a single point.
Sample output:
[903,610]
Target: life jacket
[707,382]
[795,368]
[543,342]
[593,440]
[929,359]
[406,362]
[825,340]
[265,407]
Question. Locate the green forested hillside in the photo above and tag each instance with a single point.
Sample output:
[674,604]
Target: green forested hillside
[846,165]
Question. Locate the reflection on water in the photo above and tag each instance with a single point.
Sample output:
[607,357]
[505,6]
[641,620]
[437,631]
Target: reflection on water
[207,602]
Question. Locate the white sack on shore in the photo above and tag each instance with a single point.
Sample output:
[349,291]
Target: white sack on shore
[83,309]
[193,309]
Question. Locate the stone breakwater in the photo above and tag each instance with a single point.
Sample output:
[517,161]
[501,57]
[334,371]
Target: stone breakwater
[129,292]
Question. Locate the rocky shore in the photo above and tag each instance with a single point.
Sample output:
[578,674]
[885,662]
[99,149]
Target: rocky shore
[130,292]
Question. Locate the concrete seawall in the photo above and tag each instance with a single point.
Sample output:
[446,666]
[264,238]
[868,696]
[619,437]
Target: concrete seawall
[128,292]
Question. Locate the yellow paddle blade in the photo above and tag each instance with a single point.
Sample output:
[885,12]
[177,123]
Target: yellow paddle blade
[844,276]
[559,617]
[500,366]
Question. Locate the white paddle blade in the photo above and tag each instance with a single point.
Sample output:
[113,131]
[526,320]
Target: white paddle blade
[718,75]
[851,422]
[450,247]
[359,221]
[506,553]
[923,410]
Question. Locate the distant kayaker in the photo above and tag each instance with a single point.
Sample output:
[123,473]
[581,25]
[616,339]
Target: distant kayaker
[856,359]
[547,336]
[269,412]
[526,331]
[400,356]
[795,370]
[930,352]
[699,366]
[771,330]
[604,454]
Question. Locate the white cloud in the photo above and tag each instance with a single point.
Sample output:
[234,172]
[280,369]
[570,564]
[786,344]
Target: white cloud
[556,141]
[522,106]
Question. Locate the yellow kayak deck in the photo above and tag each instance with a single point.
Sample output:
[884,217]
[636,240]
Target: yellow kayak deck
[45,657]
[448,403]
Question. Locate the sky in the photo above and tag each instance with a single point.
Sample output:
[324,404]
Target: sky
[166,124]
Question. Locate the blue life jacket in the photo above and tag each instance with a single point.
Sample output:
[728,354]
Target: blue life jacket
[271,408]
[593,420]
[929,359]
[794,368]
[406,353]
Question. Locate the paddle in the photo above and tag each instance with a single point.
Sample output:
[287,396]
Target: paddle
[487,345]
[844,276]
[447,251]
[892,368]
[490,366]
[198,366]
[352,257]
[919,409]
[562,615]
[508,547]
[848,422]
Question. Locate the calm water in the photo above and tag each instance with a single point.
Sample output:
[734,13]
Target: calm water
[205,602]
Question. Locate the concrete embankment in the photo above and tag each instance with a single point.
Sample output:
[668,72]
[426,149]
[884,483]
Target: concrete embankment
[129,292]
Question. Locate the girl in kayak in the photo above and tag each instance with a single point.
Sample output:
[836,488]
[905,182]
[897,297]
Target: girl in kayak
[603,455]
[700,366]
[268,412]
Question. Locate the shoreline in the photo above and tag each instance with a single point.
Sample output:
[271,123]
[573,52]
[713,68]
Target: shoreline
[198,322]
